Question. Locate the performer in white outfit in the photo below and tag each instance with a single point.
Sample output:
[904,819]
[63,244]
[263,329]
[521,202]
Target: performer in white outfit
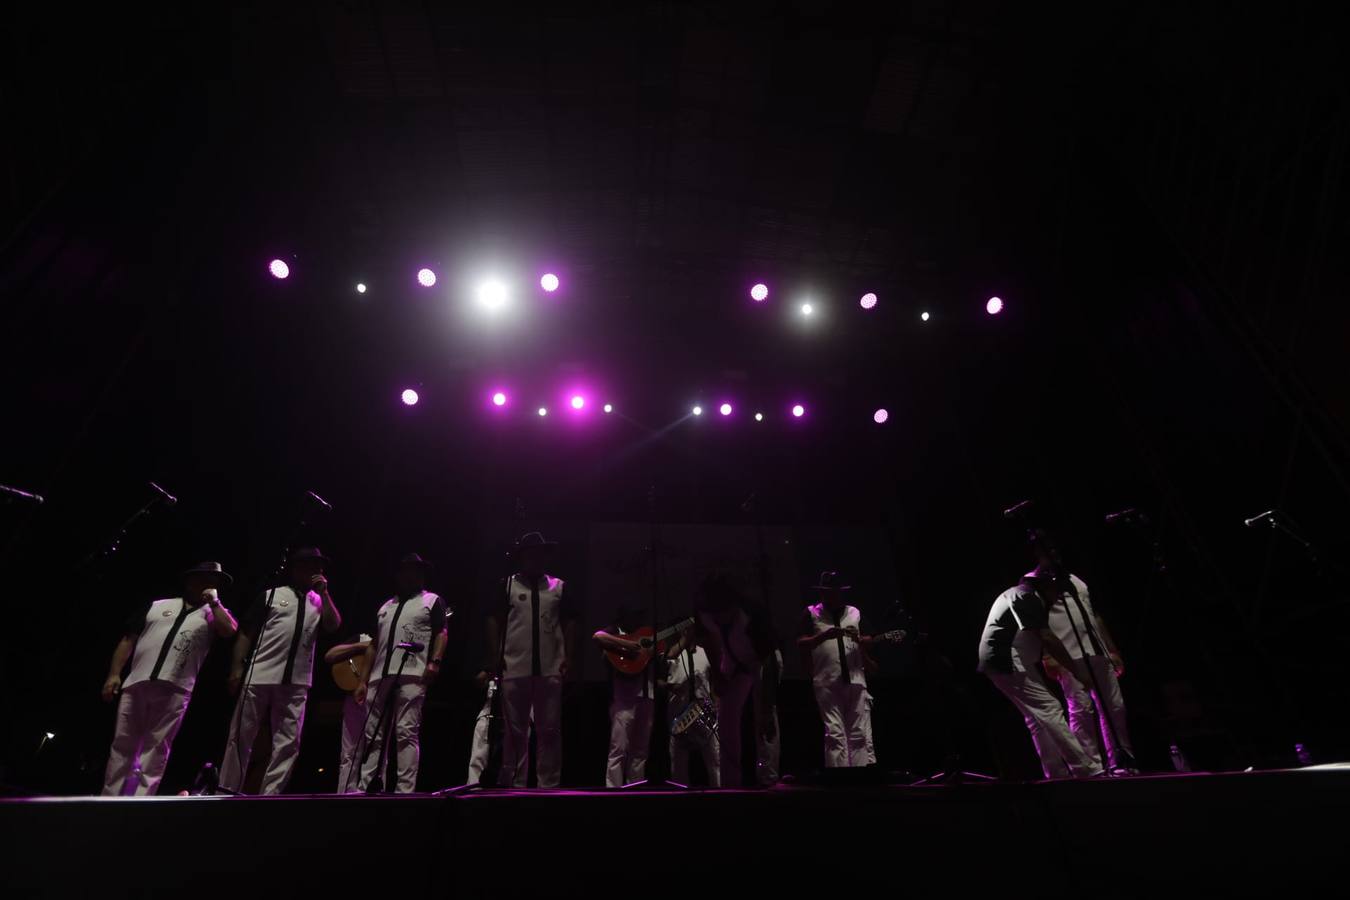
[406,658]
[357,654]
[166,642]
[632,702]
[284,626]
[1016,636]
[736,635]
[1084,635]
[530,629]
[833,645]
[768,740]
[688,668]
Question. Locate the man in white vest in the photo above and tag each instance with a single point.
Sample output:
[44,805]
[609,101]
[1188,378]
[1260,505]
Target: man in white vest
[407,653]
[166,642]
[632,701]
[281,630]
[832,642]
[689,682]
[530,629]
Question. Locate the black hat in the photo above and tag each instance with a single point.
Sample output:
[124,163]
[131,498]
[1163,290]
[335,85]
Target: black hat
[210,568]
[305,553]
[533,540]
[415,560]
[829,581]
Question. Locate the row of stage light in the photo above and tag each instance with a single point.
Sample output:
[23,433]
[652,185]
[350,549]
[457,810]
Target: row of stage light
[494,294]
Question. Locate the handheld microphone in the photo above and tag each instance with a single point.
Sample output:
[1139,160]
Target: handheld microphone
[411,646]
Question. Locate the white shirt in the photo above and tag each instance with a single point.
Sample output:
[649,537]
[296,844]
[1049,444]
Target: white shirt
[678,679]
[272,655]
[417,621]
[1064,629]
[827,669]
[518,662]
[172,644]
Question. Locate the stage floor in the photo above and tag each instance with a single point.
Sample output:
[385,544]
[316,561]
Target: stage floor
[1161,835]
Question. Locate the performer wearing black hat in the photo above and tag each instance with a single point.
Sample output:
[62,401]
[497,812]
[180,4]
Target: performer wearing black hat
[530,629]
[283,624]
[166,641]
[834,651]
[409,646]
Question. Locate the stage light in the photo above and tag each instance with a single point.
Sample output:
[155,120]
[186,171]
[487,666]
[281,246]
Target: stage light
[609,407]
[725,409]
[543,410]
[759,417]
[499,399]
[492,295]
[697,410]
[868,301]
[279,269]
[759,293]
[426,277]
[360,287]
[880,416]
[994,306]
[410,397]
[549,282]
[924,315]
[50,736]
[799,410]
[807,309]
[578,401]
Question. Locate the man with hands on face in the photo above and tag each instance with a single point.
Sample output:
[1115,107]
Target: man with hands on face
[281,629]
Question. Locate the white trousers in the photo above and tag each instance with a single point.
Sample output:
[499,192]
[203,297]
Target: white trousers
[541,697]
[868,747]
[1062,756]
[478,751]
[630,737]
[730,707]
[768,752]
[404,699]
[843,709]
[1085,715]
[353,721]
[682,750]
[284,706]
[149,715]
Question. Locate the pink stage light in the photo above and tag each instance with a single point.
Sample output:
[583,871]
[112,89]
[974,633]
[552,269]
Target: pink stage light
[994,306]
[279,269]
[549,282]
[499,399]
[868,301]
[799,410]
[410,397]
[426,277]
[725,409]
[880,416]
[759,293]
[578,401]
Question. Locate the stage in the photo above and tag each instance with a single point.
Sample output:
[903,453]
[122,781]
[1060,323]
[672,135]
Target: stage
[1194,834]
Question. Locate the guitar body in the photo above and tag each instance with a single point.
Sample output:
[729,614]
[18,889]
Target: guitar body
[348,673]
[652,643]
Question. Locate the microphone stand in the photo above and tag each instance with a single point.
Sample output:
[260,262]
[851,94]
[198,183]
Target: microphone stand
[277,575]
[376,785]
[110,549]
[658,655]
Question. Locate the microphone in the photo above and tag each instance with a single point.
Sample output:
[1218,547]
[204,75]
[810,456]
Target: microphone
[1127,517]
[1017,509]
[411,646]
[1269,515]
[170,499]
[16,494]
[328,507]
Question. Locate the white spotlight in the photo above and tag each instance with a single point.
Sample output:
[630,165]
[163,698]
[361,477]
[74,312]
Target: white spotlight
[492,295]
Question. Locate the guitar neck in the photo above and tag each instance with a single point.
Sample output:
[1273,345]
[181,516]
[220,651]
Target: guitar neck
[674,629]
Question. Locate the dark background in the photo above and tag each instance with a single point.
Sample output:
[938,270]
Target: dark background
[1155,190]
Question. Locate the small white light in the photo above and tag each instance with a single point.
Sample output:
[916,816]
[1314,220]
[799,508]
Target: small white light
[759,417]
[807,309]
[924,315]
[609,407]
[697,410]
[543,410]
[360,287]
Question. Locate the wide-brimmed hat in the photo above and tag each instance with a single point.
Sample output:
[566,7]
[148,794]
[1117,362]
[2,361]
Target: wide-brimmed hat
[414,560]
[534,541]
[830,581]
[305,553]
[210,569]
